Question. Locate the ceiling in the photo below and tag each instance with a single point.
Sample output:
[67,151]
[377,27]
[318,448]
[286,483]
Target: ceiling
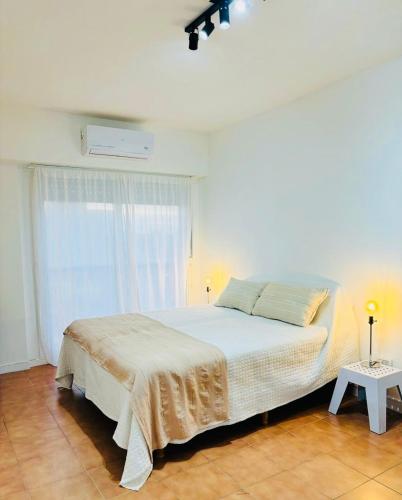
[128,59]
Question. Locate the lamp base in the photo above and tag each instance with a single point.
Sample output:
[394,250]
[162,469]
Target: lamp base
[374,363]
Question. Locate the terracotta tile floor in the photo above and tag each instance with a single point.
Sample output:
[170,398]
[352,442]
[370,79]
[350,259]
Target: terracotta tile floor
[57,445]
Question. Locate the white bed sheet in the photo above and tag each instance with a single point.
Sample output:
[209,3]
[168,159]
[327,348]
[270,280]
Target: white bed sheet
[270,363]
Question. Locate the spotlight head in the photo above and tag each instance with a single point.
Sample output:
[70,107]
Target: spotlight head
[207,29]
[193,41]
[224,17]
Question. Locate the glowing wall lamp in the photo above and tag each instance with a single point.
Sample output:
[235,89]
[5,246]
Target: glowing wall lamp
[371,308]
[208,287]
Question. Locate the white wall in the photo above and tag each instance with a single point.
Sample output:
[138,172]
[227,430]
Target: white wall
[37,136]
[34,136]
[316,187]
[13,345]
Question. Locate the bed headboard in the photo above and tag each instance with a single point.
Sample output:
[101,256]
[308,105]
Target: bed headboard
[336,314]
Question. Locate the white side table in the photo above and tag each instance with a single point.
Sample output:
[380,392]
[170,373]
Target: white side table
[376,381]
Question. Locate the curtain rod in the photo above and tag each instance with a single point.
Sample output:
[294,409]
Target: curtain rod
[100,169]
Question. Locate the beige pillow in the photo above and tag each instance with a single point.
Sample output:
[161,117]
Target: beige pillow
[240,294]
[292,304]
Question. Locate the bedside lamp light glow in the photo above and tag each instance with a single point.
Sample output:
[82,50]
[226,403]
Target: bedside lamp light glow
[371,307]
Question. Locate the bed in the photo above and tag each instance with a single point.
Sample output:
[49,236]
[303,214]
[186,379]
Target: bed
[269,364]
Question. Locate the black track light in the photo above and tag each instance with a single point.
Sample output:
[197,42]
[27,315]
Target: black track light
[193,41]
[207,29]
[224,17]
[205,19]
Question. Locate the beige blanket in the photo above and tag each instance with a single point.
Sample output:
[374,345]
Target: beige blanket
[178,384]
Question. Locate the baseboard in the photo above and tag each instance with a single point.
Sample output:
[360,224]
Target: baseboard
[20,365]
[37,362]
[14,367]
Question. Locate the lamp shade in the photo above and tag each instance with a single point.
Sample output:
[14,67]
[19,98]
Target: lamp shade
[371,307]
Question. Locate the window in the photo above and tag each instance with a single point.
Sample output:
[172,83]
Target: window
[107,243]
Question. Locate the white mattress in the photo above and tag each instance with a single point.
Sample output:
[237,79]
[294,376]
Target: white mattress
[270,363]
[259,353]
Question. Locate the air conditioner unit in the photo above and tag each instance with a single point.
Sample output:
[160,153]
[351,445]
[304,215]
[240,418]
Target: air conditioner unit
[118,142]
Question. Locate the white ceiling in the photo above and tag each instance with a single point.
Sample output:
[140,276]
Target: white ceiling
[129,58]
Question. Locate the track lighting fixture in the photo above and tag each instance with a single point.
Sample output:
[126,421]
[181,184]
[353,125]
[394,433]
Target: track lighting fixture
[193,41]
[207,29]
[224,17]
[205,19]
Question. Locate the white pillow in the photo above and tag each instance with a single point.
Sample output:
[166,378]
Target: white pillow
[240,294]
[291,304]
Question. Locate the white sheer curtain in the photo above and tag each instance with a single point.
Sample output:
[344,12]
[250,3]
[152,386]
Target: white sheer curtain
[107,243]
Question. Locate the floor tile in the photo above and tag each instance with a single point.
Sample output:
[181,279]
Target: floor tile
[41,370]
[27,428]
[365,457]
[79,487]
[166,468]
[18,390]
[48,468]
[107,479]
[239,495]
[322,439]
[221,449]
[371,491]
[42,380]
[74,433]
[10,481]
[50,437]
[14,376]
[150,491]
[392,478]
[390,441]
[63,416]
[24,411]
[286,450]
[321,411]
[38,445]
[21,434]
[49,392]
[185,458]
[92,454]
[284,486]
[329,476]
[355,424]
[248,465]
[21,495]
[98,429]
[7,454]
[205,482]
[261,435]
[334,428]
[297,421]
[13,385]
[88,454]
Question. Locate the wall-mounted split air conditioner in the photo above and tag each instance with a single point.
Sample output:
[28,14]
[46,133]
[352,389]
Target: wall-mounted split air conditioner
[117,142]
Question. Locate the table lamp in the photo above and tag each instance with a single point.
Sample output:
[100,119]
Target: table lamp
[371,308]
